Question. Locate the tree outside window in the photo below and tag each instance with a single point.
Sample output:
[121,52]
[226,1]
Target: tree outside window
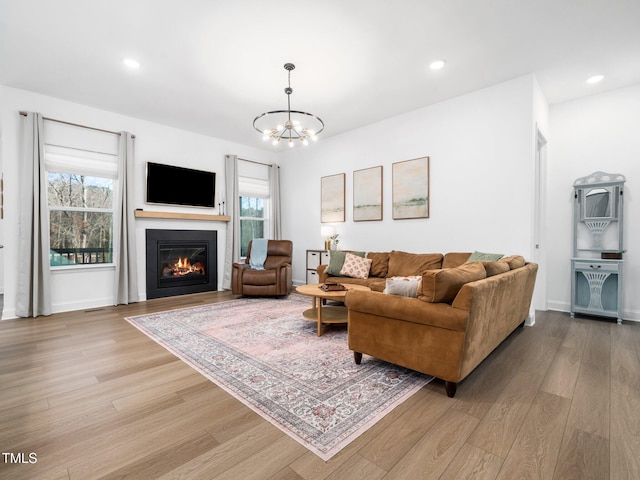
[80,219]
[252,221]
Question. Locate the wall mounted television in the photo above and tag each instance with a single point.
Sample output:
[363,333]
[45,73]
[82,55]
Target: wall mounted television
[172,185]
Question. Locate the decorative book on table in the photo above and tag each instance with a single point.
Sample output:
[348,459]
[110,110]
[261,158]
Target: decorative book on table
[332,287]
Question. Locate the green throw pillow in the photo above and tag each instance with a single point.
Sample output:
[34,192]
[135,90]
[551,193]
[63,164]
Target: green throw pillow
[336,260]
[484,257]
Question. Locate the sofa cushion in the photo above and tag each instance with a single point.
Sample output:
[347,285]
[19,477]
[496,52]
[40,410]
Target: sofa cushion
[442,285]
[403,264]
[455,259]
[495,268]
[514,261]
[259,277]
[355,266]
[484,257]
[336,260]
[379,264]
[403,286]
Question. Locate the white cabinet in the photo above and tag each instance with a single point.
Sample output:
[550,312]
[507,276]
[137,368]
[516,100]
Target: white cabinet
[596,278]
[314,259]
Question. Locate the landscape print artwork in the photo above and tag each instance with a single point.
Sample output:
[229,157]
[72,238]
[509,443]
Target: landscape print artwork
[332,198]
[367,194]
[410,186]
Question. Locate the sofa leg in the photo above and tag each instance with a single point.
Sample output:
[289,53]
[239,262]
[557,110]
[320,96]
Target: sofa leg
[357,356]
[450,387]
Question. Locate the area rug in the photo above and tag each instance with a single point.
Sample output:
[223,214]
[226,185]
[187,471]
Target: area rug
[268,356]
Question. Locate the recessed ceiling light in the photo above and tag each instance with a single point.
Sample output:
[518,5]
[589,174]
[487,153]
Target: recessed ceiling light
[595,79]
[437,65]
[131,63]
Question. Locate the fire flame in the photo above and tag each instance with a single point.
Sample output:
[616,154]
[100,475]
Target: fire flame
[184,267]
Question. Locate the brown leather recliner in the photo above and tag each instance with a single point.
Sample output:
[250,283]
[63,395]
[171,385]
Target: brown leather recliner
[274,280]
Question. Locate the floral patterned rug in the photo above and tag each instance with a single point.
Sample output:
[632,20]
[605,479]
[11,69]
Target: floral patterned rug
[264,353]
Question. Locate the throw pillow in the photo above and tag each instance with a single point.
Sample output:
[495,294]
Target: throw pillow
[442,286]
[484,257]
[514,261]
[403,286]
[355,266]
[455,259]
[336,260]
[495,268]
[403,264]
[380,264]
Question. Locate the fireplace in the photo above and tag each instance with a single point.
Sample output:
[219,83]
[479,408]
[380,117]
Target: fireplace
[181,262]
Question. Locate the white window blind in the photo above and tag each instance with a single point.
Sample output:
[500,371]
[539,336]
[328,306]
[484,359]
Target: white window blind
[80,151]
[253,179]
[80,162]
[253,187]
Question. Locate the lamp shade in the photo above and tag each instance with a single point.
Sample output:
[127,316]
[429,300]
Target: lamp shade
[327,230]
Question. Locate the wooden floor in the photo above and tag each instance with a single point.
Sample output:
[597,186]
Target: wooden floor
[85,395]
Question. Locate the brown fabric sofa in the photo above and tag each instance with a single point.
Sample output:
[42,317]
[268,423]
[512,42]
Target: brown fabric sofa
[274,280]
[461,313]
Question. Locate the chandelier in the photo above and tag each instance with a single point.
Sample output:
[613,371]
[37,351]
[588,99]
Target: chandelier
[291,125]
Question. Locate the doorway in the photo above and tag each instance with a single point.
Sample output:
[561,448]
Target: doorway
[539,253]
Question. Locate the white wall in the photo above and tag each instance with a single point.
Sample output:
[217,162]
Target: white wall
[154,142]
[481,185]
[600,132]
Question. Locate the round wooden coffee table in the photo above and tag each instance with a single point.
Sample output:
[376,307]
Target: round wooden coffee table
[327,314]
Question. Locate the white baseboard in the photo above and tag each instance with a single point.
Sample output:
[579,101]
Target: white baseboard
[9,314]
[82,305]
[530,321]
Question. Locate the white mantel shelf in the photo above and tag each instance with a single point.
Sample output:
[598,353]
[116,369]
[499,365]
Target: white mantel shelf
[182,216]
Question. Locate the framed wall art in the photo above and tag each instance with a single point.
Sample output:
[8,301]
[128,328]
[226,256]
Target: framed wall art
[332,198]
[367,194]
[410,185]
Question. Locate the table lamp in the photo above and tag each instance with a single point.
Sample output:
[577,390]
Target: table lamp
[327,231]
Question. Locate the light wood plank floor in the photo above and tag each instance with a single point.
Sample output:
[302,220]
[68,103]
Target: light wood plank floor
[92,397]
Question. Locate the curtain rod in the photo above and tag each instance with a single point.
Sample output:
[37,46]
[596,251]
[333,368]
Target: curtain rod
[259,163]
[24,114]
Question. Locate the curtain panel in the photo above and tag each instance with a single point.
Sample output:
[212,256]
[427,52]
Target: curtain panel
[275,224]
[125,288]
[232,249]
[34,273]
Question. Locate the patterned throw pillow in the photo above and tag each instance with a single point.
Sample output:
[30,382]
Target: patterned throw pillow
[355,266]
[403,286]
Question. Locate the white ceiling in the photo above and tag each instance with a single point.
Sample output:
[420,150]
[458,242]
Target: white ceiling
[211,66]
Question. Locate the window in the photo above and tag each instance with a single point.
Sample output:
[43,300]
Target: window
[80,197]
[252,221]
[80,219]
[253,189]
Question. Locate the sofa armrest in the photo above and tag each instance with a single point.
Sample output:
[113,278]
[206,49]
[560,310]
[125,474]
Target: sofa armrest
[322,273]
[407,309]
[285,274]
[497,305]
[236,277]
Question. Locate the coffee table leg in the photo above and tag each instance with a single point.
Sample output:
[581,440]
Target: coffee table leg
[320,318]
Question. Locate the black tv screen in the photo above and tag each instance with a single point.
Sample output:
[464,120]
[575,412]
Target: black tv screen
[173,185]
